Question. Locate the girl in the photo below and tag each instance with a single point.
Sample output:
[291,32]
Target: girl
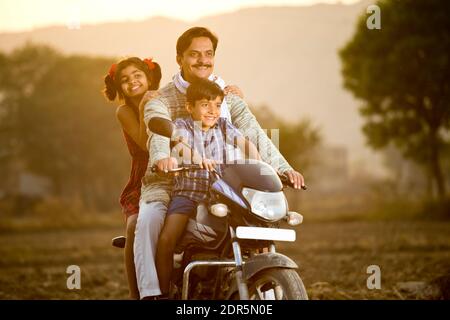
[134,82]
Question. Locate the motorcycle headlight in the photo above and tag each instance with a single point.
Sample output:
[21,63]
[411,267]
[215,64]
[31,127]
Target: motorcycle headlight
[268,205]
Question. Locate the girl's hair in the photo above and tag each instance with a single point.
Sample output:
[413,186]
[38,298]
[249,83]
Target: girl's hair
[113,87]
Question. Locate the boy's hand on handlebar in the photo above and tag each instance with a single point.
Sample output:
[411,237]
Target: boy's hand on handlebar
[166,164]
[296,179]
[208,164]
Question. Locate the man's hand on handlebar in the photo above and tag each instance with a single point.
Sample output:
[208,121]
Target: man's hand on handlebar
[296,179]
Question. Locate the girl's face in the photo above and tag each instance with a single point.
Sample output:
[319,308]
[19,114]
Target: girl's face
[133,82]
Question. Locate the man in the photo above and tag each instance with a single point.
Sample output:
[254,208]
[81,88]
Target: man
[195,55]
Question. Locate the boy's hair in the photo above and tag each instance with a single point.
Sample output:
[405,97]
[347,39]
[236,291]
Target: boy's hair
[113,86]
[203,89]
[184,41]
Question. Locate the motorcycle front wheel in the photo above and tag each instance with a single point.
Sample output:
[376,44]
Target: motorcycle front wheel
[277,284]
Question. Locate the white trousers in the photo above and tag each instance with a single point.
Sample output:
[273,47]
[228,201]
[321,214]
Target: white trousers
[149,224]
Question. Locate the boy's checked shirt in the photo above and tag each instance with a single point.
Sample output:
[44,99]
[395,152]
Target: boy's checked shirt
[210,144]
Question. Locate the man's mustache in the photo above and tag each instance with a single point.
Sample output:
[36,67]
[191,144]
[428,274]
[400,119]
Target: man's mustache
[202,65]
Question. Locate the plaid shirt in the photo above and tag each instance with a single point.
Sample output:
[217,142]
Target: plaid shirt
[209,144]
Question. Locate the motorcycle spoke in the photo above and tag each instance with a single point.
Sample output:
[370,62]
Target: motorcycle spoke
[267,289]
[274,293]
[278,293]
[260,294]
[269,295]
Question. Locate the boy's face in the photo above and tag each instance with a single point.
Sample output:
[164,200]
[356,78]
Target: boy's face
[206,111]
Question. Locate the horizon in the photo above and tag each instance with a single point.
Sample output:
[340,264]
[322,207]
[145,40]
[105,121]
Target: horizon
[75,14]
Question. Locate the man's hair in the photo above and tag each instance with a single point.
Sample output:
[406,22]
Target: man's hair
[184,41]
[203,89]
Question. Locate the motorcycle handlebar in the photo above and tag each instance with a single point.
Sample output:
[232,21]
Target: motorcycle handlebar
[284,179]
[178,169]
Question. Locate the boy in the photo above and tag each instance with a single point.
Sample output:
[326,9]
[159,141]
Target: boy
[208,134]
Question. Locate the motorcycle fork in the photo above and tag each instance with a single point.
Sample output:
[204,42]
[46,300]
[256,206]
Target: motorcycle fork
[241,284]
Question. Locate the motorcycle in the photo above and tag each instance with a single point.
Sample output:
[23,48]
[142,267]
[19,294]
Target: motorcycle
[228,250]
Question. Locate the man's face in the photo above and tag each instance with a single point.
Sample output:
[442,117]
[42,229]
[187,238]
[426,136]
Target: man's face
[197,61]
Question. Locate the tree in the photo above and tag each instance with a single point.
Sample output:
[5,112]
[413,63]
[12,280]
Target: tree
[402,73]
[19,73]
[297,141]
[56,122]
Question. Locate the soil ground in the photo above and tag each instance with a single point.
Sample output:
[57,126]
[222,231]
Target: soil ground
[333,259]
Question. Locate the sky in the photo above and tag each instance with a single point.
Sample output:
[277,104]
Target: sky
[25,15]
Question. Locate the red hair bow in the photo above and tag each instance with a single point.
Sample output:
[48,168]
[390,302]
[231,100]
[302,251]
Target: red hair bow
[112,70]
[149,63]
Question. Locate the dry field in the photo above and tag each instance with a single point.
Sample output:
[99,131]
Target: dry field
[333,259]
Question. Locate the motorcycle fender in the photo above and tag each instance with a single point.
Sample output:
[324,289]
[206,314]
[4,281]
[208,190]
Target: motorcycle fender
[265,261]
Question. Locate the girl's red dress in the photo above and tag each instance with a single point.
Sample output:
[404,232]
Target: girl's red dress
[129,199]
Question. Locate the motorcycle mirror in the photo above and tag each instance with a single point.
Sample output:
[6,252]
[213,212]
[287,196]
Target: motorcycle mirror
[161,126]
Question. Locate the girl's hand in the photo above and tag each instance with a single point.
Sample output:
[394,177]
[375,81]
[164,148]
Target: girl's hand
[149,95]
[208,164]
[233,90]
